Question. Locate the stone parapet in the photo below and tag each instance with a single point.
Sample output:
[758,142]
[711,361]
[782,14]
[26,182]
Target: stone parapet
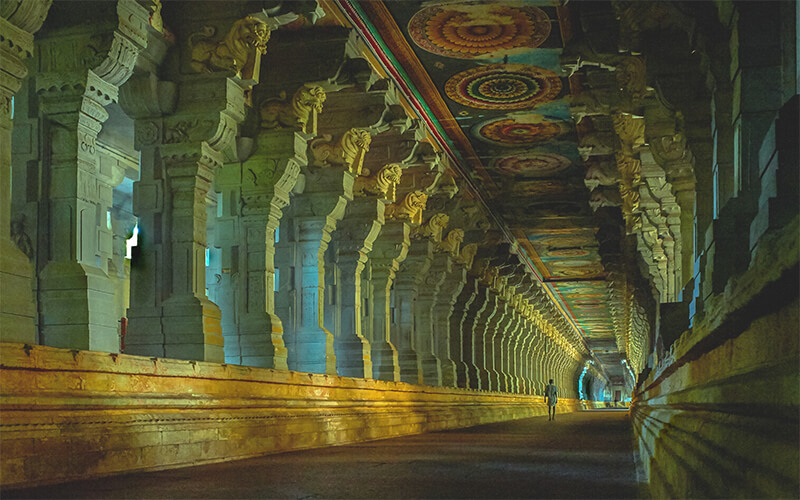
[717,417]
[80,414]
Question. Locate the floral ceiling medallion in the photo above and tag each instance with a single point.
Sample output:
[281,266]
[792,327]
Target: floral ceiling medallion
[510,132]
[479,30]
[503,86]
[529,164]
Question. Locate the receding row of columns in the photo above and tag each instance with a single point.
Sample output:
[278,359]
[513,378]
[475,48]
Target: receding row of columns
[281,225]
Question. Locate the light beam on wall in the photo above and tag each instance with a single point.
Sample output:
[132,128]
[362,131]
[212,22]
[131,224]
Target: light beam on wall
[132,242]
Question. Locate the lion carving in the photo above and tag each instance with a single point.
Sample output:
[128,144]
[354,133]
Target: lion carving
[467,255]
[383,183]
[349,151]
[434,227]
[452,243]
[301,112]
[410,208]
[490,276]
[239,51]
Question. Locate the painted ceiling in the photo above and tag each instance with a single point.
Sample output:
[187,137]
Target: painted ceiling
[490,73]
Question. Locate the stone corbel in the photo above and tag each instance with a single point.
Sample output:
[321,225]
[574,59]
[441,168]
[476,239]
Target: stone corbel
[467,255]
[382,183]
[27,15]
[301,112]
[16,45]
[238,52]
[433,228]
[347,152]
[411,207]
[452,243]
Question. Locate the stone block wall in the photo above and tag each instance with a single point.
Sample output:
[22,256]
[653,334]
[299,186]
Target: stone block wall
[70,414]
[719,416]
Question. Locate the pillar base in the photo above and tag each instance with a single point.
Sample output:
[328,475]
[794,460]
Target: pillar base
[353,358]
[409,367]
[448,370]
[259,343]
[385,362]
[485,380]
[192,329]
[77,303]
[17,309]
[431,371]
[462,375]
[311,351]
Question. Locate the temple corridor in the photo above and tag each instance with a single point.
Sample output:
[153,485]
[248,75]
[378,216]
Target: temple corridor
[586,454]
[345,247]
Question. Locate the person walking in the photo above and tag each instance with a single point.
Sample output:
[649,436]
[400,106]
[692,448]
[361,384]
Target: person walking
[551,398]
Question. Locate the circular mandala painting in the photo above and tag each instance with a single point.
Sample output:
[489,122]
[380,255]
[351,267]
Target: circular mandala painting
[509,132]
[479,30]
[503,86]
[532,164]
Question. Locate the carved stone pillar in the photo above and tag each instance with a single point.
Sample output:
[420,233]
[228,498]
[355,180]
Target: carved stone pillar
[541,375]
[497,334]
[461,341]
[181,151]
[389,252]
[254,194]
[423,321]
[449,289]
[352,243]
[484,330]
[473,334]
[76,294]
[170,314]
[191,322]
[527,351]
[17,308]
[409,280]
[314,216]
[510,348]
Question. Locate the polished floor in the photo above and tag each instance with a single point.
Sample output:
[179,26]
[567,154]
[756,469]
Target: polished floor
[580,455]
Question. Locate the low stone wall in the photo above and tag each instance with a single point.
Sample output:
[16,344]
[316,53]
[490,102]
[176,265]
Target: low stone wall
[719,417]
[79,414]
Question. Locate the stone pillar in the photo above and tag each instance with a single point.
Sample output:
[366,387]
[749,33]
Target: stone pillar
[352,243]
[191,322]
[182,148]
[389,252]
[461,340]
[512,350]
[443,307]
[170,314]
[122,224]
[315,214]
[474,327]
[484,330]
[255,193]
[76,295]
[497,377]
[509,346]
[426,346]
[17,308]
[527,351]
[538,360]
[407,284]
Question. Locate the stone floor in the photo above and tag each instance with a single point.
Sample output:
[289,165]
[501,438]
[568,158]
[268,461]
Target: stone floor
[580,455]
